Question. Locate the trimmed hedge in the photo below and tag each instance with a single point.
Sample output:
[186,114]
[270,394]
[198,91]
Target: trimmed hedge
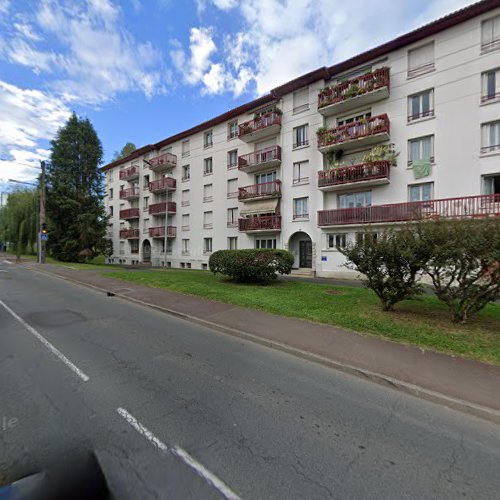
[250,265]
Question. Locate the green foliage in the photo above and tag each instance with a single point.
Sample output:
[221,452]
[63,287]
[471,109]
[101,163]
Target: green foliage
[77,218]
[465,263]
[249,266]
[128,149]
[384,152]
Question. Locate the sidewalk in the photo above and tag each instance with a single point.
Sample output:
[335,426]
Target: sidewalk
[456,382]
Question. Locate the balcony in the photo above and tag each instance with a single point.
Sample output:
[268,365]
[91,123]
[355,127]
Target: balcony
[260,223]
[129,213]
[159,232]
[260,160]
[162,185]
[129,234]
[359,134]
[365,174]
[260,191]
[163,162]
[359,92]
[449,208]
[264,126]
[130,193]
[129,174]
[162,208]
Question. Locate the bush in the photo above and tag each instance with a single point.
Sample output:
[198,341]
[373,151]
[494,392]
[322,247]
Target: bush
[392,263]
[249,266]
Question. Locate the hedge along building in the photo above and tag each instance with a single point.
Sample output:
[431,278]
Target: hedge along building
[301,168]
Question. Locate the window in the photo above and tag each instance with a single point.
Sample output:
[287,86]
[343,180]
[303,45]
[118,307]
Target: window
[490,85]
[134,246]
[421,60]
[353,200]
[301,100]
[362,238]
[111,193]
[232,217]
[490,34]
[300,136]
[421,192]
[232,130]
[169,245]
[232,188]
[352,119]
[421,149]
[491,184]
[145,204]
[111,211]
[122,248]
[336,241]
[232,243]
[207,166]
[185,198]
[208,139]
[185,222]
[207,245]
[301,172]
[204,266]
[266,177]
[421,105]
[110,175]
[271,243]
[491,137]
[301,208]
[208,220]
[145,226]
[185,247]
[185,148]
[208,193]
[186,172]
[145,182]
[232,159]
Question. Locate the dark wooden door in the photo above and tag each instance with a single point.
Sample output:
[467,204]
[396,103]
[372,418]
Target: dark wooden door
[146,252]
[305,254]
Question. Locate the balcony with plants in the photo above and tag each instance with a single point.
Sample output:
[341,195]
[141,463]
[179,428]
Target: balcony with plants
[260,191]
[361,91]
[260,160]
[265,125]
[165,161]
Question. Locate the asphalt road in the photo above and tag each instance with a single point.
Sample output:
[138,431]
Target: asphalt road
[175,410]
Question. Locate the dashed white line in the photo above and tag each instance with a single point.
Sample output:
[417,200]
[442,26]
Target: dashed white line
[7,262]
[47,344]
[183,455]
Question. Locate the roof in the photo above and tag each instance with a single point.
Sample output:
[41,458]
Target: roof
[325,73]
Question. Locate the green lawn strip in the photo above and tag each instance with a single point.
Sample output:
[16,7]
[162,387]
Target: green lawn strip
[95,264]
[424,322]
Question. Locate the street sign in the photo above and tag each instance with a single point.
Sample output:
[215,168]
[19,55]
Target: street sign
[44,237]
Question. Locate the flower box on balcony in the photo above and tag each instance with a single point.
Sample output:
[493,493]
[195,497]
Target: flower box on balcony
[364,174]
[259,128]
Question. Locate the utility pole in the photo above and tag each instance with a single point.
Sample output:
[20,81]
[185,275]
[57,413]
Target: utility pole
[43,224]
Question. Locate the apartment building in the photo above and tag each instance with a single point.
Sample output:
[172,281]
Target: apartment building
[301,168]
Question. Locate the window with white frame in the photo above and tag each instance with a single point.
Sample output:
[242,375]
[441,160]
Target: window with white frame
[208,194]
[185,246]
[185,148]
[301,172]
[232,243]
[208,220]
[122,248]
[207,245]
[301,100]
[185,198]
[421,148]
[421,105]
[265,177]
[301,208]
[185,222]
[207,166]
[354,200]
[186,172]
[421,60]
[208,139]
[110,175]
[491,184]
[232,159]
[334,241]
[145,182]
[490,137]
[490,85]
[354,118]
[232,130]
[232,217]
[265,243]
[145,204]
[145,226]
[421,192]
[490,34]
[300,136]
[232,188]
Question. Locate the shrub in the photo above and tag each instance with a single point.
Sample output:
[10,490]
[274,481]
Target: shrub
[392,263]
[251,265]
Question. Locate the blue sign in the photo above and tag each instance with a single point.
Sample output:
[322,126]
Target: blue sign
[324,258]
[44,237]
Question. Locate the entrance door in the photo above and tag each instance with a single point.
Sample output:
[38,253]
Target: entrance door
[146,252]
[305,254]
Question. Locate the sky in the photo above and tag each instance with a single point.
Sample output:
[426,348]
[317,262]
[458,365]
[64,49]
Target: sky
[142,70]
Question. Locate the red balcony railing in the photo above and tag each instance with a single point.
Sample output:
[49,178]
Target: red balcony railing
[260,223]
[129,234]
[352,88]
[262,156]
[163,207]
[355,130]
[129,213]
[132,192]
[165,160]
[354,173]
[128,173]
[272,188]
[159,232]
[162,184]
[464,207]
[264,121]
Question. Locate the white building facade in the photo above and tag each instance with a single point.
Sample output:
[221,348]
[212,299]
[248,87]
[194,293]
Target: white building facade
[297,169]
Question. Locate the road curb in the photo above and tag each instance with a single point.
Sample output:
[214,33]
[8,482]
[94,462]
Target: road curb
[435,397]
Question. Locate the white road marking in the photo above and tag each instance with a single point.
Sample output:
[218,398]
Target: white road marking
[7,262]
[47,344]
[183,455]
[3,271]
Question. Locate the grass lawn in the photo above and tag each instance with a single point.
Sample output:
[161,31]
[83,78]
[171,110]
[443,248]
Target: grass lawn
[424,322]
[94,264]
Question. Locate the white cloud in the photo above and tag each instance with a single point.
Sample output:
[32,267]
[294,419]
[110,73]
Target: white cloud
[225,4]
[214,80]
[27,31]
[4,6]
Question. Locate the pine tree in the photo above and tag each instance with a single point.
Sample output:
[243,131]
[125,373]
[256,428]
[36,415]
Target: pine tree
[128,149]
[77,218]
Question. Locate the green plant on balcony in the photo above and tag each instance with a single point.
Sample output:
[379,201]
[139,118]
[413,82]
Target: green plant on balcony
[384,152]
[354,90]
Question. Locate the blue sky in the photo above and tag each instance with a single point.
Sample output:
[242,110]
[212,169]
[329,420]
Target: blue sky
[142,70]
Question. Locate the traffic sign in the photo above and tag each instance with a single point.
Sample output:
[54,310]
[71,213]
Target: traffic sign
[44,237]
